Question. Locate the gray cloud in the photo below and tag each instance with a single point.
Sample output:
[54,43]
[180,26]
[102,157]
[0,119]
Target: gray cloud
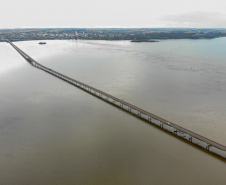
[196,19]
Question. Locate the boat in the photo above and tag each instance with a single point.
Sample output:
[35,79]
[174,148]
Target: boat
[42,42]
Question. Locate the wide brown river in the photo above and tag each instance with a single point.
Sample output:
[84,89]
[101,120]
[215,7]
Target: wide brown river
[52,133]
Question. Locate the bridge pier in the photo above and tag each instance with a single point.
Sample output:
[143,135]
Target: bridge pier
[175,131]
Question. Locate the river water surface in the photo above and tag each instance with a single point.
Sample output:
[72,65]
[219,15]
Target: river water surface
[52,133]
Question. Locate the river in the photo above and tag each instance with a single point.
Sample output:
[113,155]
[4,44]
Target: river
[54,133]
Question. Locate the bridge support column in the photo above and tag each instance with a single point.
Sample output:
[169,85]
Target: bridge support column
[208,146]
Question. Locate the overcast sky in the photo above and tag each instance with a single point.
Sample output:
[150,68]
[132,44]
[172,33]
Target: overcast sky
[112,13]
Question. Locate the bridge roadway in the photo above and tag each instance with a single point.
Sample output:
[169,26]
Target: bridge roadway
[188,135]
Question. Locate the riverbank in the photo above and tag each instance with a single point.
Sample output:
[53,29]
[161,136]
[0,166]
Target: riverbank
[109,34]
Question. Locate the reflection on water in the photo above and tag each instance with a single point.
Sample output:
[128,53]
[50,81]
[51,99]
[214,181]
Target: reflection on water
[7,58]
[54,133]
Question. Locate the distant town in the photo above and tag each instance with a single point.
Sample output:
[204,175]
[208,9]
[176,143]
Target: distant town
[133,34]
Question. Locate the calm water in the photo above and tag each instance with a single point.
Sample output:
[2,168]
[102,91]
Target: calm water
[54,133]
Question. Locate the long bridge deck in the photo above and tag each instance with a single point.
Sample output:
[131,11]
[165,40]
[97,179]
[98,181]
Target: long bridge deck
[188,135]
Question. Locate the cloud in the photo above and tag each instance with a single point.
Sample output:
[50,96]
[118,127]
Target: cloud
[196,19]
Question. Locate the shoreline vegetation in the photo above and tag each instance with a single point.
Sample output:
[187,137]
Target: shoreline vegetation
[132,34]
[144,40]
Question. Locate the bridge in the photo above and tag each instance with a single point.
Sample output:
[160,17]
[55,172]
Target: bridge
[179,131]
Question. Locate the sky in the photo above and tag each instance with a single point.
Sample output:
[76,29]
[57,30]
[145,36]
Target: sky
[113,13]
